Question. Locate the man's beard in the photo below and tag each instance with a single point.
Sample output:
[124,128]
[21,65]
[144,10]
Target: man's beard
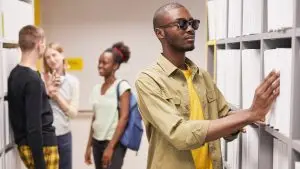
[182,48]
[177,46]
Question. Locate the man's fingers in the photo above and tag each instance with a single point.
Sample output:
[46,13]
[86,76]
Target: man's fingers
[272,88]
[260,123]
[274,95]
[269,80]
[268,88]
[243,130]
[269,75]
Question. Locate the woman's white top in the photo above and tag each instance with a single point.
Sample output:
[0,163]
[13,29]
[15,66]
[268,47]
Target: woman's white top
[105,109]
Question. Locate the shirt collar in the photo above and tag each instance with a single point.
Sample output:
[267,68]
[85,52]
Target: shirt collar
[170,68]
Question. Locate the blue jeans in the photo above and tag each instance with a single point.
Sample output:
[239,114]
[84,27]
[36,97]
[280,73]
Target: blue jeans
[65,151]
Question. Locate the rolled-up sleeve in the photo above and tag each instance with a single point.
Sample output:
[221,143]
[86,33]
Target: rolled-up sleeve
[164,117]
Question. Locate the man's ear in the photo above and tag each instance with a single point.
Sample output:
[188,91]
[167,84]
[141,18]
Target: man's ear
[41,44]
[160,33]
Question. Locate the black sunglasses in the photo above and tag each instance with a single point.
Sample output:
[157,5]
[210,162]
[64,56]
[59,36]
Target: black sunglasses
[183,24]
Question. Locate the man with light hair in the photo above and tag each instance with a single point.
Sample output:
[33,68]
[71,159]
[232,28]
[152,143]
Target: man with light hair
[29,109]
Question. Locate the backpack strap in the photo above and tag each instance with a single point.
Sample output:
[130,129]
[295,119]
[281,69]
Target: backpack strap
[118,94]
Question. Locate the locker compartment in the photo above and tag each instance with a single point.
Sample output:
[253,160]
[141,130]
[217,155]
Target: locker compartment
[10,58]
[12,160]
[11,18]
[1,162]
[1,125]
[1,74]
[9,139]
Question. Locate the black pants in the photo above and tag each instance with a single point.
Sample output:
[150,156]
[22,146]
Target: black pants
[65,151]
[117,159]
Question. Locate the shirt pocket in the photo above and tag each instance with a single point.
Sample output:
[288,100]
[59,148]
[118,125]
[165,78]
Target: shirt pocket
[211,96]
[181,106]
[210,105]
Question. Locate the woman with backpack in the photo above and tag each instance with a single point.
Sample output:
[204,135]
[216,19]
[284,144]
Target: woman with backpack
[111,112]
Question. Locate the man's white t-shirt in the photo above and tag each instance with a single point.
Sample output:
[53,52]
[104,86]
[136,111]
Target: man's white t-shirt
[105,109]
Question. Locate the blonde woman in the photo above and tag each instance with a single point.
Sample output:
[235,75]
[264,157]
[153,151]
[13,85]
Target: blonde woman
[64,100]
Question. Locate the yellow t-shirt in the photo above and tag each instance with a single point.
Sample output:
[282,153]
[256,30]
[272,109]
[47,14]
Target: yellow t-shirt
[200,155]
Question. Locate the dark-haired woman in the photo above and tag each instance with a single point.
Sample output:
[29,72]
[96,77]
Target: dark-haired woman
[109,122]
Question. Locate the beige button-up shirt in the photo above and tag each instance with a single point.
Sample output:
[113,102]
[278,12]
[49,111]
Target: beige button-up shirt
[163,100]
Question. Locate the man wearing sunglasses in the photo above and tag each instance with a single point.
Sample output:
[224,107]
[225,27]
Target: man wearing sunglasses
[184,112]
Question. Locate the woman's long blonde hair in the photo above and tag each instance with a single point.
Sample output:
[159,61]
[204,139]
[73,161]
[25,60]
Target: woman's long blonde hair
[58,48]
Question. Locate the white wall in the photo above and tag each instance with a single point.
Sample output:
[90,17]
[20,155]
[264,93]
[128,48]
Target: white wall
[86,29]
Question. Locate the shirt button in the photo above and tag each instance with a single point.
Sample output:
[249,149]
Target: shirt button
[187,107]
